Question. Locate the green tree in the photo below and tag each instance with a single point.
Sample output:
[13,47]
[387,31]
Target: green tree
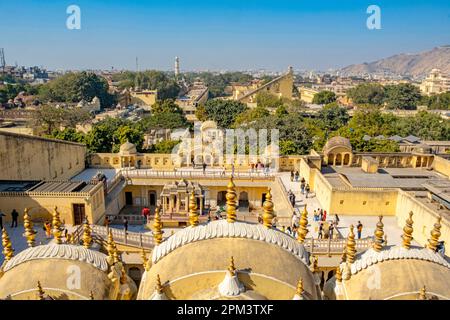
[268,100]
[224,112]
[127,133]
[367,93]
[324,97]
[166,106]
[331,117]
[251,115]
[74,87]
[68,134]
[200,113]
[402,96]
[165,146]
[437,101]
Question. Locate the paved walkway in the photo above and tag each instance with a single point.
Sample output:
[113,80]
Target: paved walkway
[391,227]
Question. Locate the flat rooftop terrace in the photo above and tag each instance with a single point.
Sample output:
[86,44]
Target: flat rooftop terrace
[45,186]
[403,178]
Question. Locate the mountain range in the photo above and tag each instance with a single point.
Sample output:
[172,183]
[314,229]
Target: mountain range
[405,64]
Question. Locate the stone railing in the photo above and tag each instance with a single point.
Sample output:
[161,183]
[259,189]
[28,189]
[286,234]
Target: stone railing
[189,174]
[334,246]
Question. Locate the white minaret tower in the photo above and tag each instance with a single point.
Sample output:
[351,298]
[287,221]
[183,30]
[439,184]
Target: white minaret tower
[177,66]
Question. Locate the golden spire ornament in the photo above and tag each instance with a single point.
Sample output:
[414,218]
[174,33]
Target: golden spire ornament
[408,231]
[30,233]
[56,225]
[422,294]
[158,287]
[231,201]
[338,274]
[112,249]
[350,252]
[379,233]
[433,242]
[268,210]
[193,213]
[303,226]
[157,227]
[300,289]
[231,267]
[8,250]
[87,234]
[41,293]
[144,259]
[313,264]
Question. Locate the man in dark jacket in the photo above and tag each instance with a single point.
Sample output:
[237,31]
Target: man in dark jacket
[14,216]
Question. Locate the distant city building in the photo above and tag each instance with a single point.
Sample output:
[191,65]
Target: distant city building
[436,82]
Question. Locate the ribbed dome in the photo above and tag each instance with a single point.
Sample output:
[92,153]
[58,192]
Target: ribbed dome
[128,148]
[193,263]
[337,142]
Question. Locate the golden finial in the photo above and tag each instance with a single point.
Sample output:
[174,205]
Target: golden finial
[303,226]
[8,250]
[91,295]
[231,267]
[338,274]
[56,223]
[41,293]
[158,287]
[423,294]
[313,264]
[300,289]
[347,271]
[157,227]
[112,249]
[193,214]
[350,252]
[123,276]
[433,242]
[268,210]
[231,201]
[29,233]
[408,231]
[144,259]
[379,233]
[87,234]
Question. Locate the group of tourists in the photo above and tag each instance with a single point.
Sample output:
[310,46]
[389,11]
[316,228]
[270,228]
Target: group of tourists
[14,218]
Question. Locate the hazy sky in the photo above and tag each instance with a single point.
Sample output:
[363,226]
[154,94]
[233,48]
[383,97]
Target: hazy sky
[217,34]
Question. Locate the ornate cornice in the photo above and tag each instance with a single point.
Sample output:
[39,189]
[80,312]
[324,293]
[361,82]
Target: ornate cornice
[59,251]
[224,229]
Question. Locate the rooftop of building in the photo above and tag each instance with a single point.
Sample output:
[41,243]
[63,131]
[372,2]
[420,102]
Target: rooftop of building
[403,178]
[45,186]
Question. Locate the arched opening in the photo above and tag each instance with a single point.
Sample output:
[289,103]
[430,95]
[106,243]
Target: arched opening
[418,162]
[346,159]
[135,274]
[331,159]
[221,198]
[338,161]
[243,200]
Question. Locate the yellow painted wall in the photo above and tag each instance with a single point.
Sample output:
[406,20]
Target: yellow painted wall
[424,218]
[367,202]
[25,157]
[41,206]
[441,165]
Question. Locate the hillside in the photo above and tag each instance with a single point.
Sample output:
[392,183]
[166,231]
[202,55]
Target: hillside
[418,64]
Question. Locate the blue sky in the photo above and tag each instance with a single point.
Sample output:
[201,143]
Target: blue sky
[217,34]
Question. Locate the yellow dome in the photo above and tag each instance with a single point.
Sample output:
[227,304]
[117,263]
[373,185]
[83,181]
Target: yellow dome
[193,263]
[393,273]
[335,143]
[65,272]
[128,148]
